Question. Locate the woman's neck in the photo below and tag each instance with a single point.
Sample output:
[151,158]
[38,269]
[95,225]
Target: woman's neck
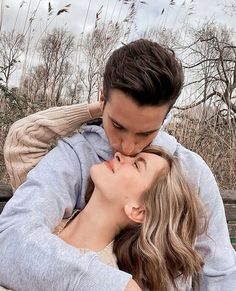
[95,226]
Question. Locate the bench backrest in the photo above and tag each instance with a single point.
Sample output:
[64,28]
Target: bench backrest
[229,198]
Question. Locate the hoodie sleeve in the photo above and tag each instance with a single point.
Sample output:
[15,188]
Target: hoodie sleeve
[219,272]
[32,257]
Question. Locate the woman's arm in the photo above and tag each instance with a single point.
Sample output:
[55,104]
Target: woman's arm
[29,139]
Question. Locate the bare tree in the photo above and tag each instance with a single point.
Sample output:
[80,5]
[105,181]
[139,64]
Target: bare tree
[96,49]
[55,51]
[45,83]
[11,48]
[230,8]
[211,69]
[164,36]
[207,124]
[32,87]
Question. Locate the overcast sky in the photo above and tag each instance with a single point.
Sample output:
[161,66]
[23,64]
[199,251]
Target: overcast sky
[149,14]
[16,13]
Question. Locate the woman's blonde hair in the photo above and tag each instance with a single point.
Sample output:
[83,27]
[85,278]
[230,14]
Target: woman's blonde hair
[160,249]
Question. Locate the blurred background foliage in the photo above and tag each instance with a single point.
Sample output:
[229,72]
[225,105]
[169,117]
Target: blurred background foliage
[60,67]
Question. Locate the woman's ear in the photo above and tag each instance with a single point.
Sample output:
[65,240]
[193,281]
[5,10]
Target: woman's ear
[135,213]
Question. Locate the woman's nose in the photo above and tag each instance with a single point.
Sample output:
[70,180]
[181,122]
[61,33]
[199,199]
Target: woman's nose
[118,157]
[122,158]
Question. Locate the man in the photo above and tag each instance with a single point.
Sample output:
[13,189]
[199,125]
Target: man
[142,80]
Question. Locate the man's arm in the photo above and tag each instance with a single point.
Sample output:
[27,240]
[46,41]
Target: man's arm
[34,258]
[29,139]
[219,272]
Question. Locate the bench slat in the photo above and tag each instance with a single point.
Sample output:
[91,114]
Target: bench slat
[2,204]
[230,211]
[228,196]
[5,192]
[232,229]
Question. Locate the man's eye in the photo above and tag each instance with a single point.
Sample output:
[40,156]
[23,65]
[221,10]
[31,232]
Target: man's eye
[146,134]
[116,125]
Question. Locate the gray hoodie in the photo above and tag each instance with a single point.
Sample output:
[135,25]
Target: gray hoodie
[32,258]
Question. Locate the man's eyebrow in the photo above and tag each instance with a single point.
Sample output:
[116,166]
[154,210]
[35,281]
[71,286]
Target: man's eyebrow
[145,132]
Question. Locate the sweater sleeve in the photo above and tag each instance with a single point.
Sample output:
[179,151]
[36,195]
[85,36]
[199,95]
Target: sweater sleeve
[29,139]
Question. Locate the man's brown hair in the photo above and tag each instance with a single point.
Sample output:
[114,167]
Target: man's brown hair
[145,71]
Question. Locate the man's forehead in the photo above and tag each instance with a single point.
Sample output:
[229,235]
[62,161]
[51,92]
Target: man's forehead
[127,113]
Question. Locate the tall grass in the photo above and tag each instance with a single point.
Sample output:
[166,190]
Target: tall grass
[205,131]
[213,138]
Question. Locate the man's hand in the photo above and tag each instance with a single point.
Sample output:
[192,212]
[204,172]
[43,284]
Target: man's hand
[132,286]
[95,109]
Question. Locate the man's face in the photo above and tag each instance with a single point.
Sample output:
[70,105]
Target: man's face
[129,127]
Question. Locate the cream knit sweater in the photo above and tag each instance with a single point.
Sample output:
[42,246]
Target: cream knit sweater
[23,150]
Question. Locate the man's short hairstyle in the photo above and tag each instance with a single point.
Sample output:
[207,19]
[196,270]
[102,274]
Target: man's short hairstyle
[145,71]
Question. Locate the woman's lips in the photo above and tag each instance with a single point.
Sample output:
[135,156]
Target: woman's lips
[109,165]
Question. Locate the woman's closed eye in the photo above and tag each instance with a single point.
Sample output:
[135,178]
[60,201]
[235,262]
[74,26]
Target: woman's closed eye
[140,164]
[136,165]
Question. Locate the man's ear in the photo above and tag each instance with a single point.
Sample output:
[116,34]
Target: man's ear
[101,99]
[135,213]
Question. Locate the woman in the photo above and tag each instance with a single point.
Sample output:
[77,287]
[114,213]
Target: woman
[146,206]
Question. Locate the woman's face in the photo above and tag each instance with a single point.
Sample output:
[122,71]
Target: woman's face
[125,178]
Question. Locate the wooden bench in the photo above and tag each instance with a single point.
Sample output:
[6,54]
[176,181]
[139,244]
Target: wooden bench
[5,195]
[229,198]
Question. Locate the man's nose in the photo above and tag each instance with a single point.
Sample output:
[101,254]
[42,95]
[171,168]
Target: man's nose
[128,145]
